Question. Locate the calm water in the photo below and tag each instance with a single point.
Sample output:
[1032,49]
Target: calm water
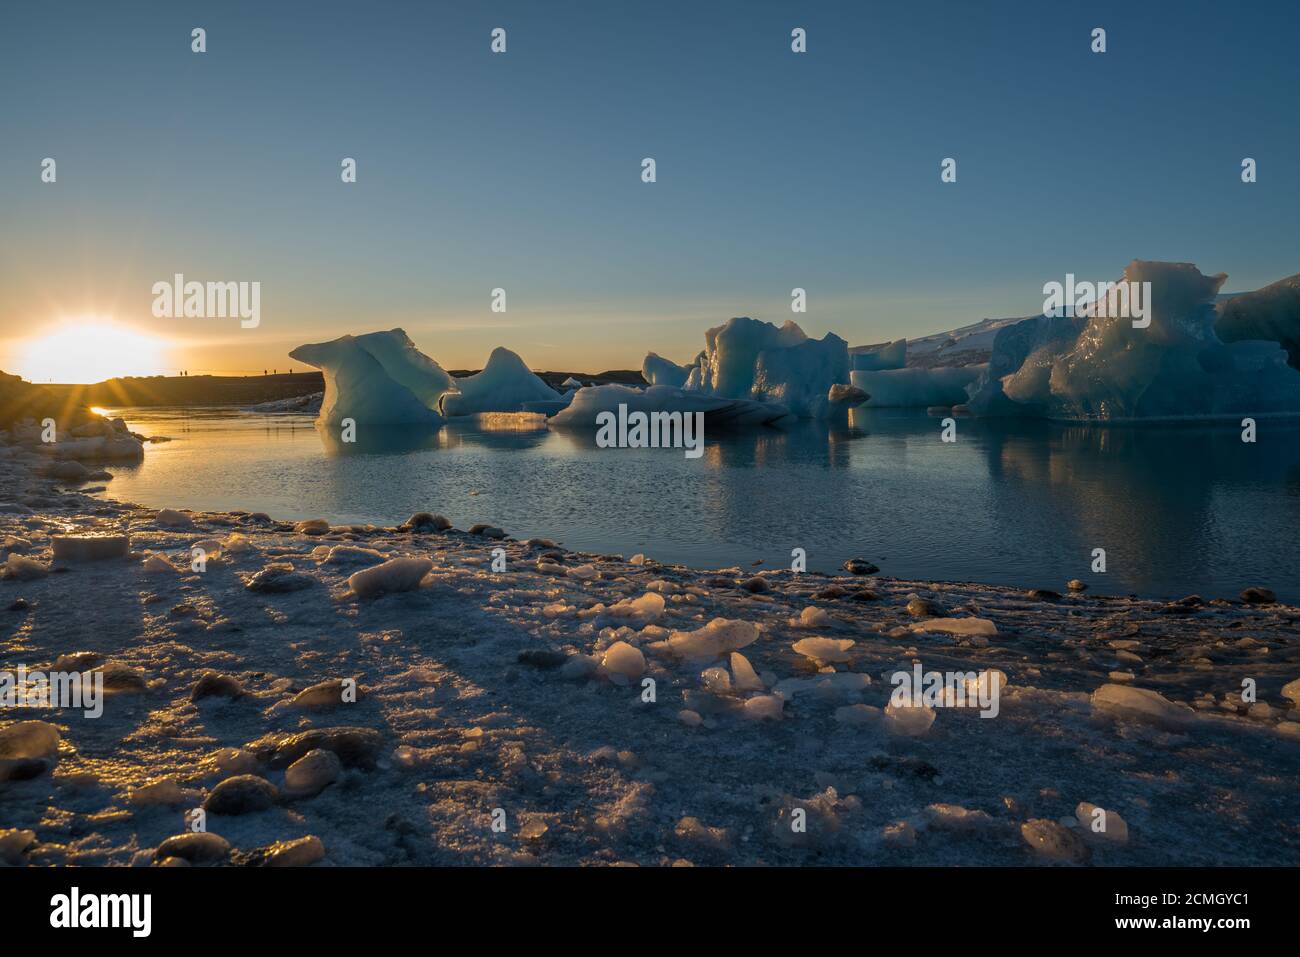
[1179,509]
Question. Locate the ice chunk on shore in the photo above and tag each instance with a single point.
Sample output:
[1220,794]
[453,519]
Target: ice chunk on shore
[1105,825]
[824,650]
[717,637]
[394,575]
[909,721]
[379,378]
[504,385]
[29,739]
[1139,704]
[965,627]
[624,660]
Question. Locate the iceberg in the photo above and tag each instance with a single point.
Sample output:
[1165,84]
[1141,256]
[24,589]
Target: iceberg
[379,378]
[657,370]
[1271,313]
[751,360]
[1103,367]
[878,358]
[719,412]
[506,384]
[907,388]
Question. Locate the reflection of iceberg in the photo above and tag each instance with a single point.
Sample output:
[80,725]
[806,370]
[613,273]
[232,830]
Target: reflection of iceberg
[1103,367]
[377,379]
[718,412]
[900,388]
[504,385]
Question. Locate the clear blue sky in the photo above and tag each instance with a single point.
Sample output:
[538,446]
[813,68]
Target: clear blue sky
[522,170]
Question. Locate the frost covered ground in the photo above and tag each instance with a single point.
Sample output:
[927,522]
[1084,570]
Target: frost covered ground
[517,697]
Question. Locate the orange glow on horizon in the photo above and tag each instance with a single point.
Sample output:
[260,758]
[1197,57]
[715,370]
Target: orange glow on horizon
[90,350]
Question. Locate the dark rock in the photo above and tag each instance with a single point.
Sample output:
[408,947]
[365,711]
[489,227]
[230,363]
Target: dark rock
[487,531]
[1044,594]
[543,658]
[757,585]
[425,522]
[923,608]
[242,794]
[834,591]
[865,594]
[860,566]
[19,604]
[278,578]
[355,747]
[1258,596]
[212,684]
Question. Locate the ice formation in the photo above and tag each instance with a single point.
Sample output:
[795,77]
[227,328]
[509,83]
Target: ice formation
[750,359]
[657,370]
[379,378]
[1192,360]
[718,412]
[506,384]
[1271,313]
[877,358]
[897,388]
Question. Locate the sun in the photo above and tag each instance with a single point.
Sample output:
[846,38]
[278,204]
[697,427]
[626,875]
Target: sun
[90,351]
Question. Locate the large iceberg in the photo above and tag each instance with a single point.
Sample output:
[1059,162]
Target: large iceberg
[1271,313]
[506,384]
[1103,367]
[757,361]
[877,358]
[904,388]
[379,378]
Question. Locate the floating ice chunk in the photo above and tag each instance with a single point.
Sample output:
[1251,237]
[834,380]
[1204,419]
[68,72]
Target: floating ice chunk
[908,721]
[1139,704]
[623,659]
[394,575]
[666,402]
[966,627]
[1103,824]
[377,379]
[660,371]
[717,637]
[504,385]
[824,650]
[638,611]
[917,388]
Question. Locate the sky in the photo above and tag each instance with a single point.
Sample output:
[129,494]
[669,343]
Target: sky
[522,170]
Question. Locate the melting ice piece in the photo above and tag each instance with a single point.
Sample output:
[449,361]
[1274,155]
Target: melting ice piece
[504,385]
[379,378]
[719,413]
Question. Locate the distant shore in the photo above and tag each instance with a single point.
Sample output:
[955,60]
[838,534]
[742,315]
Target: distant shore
[214,390]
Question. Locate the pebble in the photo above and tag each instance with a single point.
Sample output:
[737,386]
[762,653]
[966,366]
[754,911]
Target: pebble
[1258,596]
[202,847]
[214,684]
[242,794]
[860,566]
[303,852]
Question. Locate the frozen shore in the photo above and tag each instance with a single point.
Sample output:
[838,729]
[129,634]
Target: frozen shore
[502,716]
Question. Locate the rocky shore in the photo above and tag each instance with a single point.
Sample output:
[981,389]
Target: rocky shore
[420,694]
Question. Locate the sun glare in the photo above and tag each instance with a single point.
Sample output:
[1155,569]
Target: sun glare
[90,351]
